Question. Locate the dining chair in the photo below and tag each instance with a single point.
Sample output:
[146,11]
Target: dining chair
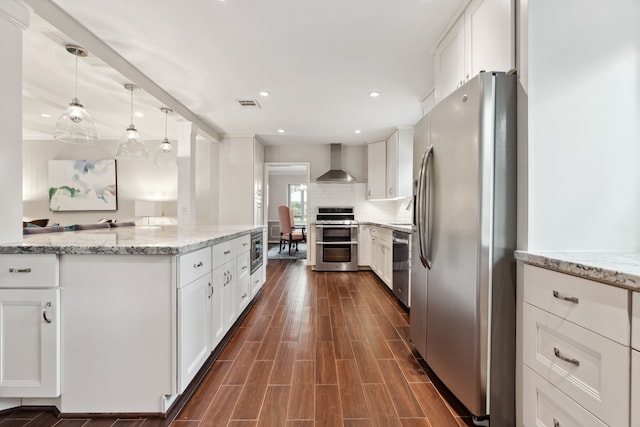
[287,231]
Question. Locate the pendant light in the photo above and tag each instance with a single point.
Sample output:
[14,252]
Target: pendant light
[75,125]
[131,146]
[166,155]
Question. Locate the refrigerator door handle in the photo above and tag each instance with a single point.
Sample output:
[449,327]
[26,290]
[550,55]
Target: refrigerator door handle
[421,201]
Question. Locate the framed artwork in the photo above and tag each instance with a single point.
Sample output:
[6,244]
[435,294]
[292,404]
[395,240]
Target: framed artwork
[83,185]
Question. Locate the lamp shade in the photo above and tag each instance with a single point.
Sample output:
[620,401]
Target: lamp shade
[76,126]
[146,208]
[131,146]
[165,155]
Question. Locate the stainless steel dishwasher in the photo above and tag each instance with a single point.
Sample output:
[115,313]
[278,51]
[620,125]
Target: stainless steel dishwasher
[401,266]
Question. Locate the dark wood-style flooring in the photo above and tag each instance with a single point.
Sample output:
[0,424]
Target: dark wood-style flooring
[316,349]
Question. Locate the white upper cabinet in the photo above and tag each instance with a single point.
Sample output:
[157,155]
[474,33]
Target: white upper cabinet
[376,170]
[482,39]
[449,61]
[399,164]
[490,35]
[390,166]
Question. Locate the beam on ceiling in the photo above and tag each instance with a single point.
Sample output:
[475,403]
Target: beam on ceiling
[60,19]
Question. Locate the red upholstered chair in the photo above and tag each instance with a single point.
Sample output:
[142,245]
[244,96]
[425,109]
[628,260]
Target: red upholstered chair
[287,233]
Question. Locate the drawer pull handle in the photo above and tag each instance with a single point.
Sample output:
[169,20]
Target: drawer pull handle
[227,252]
[574,300]
[245,244]
[556,423]
[47,306]
[19,270]
[244,267]
[244,295]
[200,264]
[565,358]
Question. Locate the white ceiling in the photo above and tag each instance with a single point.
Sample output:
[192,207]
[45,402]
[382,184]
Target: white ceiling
[319,61]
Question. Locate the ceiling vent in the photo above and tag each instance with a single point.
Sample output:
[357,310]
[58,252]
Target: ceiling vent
[248,103]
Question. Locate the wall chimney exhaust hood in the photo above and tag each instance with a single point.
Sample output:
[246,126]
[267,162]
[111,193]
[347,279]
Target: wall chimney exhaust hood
[336,174]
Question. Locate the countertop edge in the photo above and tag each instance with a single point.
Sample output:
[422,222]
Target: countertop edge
[571,263]
[193,244]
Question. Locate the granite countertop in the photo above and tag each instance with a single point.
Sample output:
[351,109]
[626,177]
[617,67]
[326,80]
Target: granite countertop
[406,227]
[161,240]
[620,269]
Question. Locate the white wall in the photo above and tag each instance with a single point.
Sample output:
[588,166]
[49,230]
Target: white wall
[584,125]
[354,158]
[279,192]
[137,180]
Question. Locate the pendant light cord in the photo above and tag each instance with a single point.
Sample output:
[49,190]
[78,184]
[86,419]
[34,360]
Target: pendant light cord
[76,76]
[132,107]
[166,113]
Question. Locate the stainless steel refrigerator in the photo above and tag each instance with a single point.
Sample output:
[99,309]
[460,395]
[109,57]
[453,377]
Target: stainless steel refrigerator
[463,272]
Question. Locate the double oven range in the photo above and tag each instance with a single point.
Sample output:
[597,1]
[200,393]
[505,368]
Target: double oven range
[336,239]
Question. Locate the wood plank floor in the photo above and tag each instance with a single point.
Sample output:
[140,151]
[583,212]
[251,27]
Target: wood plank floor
[316,349]
[320,349]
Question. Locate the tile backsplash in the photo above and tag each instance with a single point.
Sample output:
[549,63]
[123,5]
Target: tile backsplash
[355,195]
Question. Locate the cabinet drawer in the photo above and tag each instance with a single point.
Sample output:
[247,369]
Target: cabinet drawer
[35,271]
[601,308]
[635,321]
[589,368]
[193,265]
[243,244]
[545,405]
[223,253]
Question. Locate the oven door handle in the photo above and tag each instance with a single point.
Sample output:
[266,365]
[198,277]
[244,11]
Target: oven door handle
[337,243]
[335,226]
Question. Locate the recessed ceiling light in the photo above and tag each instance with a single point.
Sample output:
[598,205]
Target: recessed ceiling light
[374,94]
[280,130]
[45,115]
[139,114]
[264,93]
[357,131]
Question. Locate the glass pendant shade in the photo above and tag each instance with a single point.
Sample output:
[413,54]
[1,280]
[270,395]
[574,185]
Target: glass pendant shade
[165,155]
[130,145]
[75,125]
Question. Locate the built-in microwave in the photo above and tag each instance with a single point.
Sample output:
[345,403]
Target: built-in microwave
[257,250]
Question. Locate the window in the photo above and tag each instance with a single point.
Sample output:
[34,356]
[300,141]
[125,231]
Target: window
[298,202]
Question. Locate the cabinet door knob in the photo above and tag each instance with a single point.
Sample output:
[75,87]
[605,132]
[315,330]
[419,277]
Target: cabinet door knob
[47,306]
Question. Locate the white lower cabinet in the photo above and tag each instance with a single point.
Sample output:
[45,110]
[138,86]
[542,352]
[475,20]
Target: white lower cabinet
[590,368]
[193,328]
[257,280]
[216,301]
[382,254]
[30,348]
[364,245]
[30,327]
[575,350]
[225,273]
[635,388]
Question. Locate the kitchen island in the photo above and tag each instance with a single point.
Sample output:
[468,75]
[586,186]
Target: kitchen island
[119,320]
